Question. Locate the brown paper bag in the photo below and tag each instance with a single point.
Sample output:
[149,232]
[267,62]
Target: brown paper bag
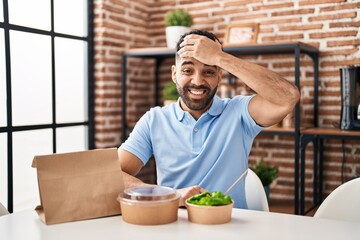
[78,185]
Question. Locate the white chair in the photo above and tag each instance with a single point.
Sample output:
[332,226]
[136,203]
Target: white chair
[3,210]
[255,193]
[343,203]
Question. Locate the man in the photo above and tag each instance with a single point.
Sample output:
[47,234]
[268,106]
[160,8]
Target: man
[203,142]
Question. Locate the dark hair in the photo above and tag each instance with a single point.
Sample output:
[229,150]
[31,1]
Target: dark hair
[198,32]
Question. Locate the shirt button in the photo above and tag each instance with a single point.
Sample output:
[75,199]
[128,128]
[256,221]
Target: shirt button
[196,130]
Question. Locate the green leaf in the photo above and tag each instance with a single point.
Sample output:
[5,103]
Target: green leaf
[170,92]
[178,18]
[265,172]
[210,199]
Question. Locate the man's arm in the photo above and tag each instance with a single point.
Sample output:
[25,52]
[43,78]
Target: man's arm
[130,165]
[276,96]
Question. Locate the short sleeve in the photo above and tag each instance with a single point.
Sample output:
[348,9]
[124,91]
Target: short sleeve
[139,141]
[241,105]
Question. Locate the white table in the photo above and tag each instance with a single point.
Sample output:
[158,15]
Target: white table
[245,224]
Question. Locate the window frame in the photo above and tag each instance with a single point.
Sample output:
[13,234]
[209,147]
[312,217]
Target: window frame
[9,129]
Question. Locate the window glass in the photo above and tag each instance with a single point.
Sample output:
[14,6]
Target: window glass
[3,169]
[26,145]
[31,78]
[71,139]
[70,20]
[70,68]
[2,81]
[34,13]
[1,12]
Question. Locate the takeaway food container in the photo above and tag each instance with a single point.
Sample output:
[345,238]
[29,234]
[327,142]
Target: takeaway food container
[149,205]
[209,214]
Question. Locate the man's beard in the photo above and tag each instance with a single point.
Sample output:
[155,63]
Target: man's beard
[196,104]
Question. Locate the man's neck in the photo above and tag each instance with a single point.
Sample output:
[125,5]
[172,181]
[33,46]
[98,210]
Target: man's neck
[195,113]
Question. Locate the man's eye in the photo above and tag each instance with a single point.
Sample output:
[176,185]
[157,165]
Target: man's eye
[187,71]
[210,73]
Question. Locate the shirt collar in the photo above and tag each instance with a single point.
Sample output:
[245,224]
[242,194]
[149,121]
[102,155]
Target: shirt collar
[215,109]
[179,112]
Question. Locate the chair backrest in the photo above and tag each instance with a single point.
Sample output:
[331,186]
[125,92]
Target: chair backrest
[3,210]
[343,203]
[255,193]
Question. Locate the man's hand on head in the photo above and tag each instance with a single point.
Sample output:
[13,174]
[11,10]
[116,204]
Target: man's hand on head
[201,48]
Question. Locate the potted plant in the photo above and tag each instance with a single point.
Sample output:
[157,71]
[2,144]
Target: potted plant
[170,93]
[178,22]
[266,173]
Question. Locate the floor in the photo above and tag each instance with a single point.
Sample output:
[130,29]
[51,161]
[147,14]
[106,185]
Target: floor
[285,206]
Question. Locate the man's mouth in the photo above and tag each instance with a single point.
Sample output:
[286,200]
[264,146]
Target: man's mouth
[197,97]
[197,92]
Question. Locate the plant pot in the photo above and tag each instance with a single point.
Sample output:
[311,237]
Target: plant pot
[173,34]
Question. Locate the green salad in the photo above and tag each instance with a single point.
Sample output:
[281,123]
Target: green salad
[210,199]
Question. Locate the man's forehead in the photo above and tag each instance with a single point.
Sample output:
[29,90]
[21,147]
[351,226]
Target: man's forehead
[180,60]
[191,61]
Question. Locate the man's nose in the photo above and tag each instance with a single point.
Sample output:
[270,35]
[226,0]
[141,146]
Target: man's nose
[198,79]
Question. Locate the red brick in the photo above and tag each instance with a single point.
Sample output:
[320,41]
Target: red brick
[340,63]
[339,43]
[241,3]
[184,2]
[211,6]
[339,52]
[336,16]
[333,34]
[338,7]
[345,24]
[313,2]
[248,16]
[300,27]
[281,20]
[273,6]
[228,12]
[283,37]
[293,12]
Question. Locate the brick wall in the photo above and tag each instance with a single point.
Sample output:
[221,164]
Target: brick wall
[330,25]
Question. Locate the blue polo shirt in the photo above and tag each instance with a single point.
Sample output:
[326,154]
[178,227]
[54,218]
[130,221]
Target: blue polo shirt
[211,152]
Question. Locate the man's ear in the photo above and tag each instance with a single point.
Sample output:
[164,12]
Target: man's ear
[173,73]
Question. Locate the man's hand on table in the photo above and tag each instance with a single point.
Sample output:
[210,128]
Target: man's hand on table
[189,192]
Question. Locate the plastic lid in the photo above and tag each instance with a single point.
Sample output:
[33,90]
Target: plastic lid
[150,193]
